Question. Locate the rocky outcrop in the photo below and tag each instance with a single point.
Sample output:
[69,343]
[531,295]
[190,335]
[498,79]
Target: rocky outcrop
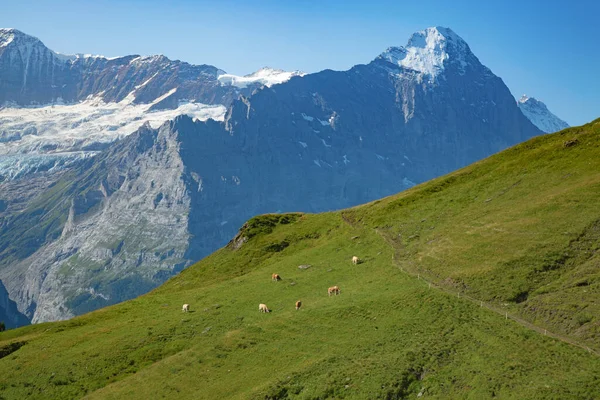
[122,213]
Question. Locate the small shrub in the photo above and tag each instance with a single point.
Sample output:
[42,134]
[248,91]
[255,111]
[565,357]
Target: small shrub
[10,348]
[264,224]
[583,318]
[277,247]
[520,296]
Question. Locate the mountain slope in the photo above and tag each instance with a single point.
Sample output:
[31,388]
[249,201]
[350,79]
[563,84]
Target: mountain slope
[540,116]
[320,142]
[524,220]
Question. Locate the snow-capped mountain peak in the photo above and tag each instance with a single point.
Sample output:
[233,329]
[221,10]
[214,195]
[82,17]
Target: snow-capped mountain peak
[9,35]
[19,44]
[11,38]
[429,51]
[265,76]
[6,36]
[24,43]
[537,112]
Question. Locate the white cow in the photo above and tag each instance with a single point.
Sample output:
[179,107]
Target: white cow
[185,308]
[355,260]
[333,290]
[263,308]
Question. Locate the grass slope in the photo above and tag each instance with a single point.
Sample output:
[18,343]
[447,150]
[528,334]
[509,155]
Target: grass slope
[519,230]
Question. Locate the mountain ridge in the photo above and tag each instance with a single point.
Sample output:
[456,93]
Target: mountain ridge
[63,76]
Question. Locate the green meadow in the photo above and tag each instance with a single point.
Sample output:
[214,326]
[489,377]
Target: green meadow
[424,314]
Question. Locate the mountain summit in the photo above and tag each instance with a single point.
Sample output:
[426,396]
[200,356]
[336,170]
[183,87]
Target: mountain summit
[540,116]
[430,51]
[14,37]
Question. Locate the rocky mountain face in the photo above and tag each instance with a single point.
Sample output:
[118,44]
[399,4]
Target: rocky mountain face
[540,116]
[112,226]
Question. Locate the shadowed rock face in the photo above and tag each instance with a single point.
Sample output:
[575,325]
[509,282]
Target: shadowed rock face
[9,314]
[114,226]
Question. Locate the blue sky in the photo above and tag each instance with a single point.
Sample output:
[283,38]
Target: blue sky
[547,49]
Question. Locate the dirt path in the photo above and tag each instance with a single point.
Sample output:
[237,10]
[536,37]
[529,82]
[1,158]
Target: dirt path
[434,285]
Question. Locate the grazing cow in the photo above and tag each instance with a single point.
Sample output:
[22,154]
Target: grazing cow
[275,277]
[355,260]
[298,304]
[334,289]
[263,308]
[185,308]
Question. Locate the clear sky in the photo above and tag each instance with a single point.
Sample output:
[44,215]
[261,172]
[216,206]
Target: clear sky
[547,49]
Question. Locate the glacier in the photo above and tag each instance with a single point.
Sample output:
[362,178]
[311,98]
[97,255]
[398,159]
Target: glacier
[51,136]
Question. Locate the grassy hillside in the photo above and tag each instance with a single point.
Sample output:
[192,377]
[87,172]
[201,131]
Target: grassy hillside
[517,234]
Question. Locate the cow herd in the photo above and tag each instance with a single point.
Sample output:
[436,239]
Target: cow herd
[334,290]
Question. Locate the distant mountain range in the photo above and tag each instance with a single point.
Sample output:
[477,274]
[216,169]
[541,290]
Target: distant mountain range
[87,221]
[34,74]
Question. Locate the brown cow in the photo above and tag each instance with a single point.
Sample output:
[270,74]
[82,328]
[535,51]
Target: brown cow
[275,277]
[298,304]
[263,308]
[334,289]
